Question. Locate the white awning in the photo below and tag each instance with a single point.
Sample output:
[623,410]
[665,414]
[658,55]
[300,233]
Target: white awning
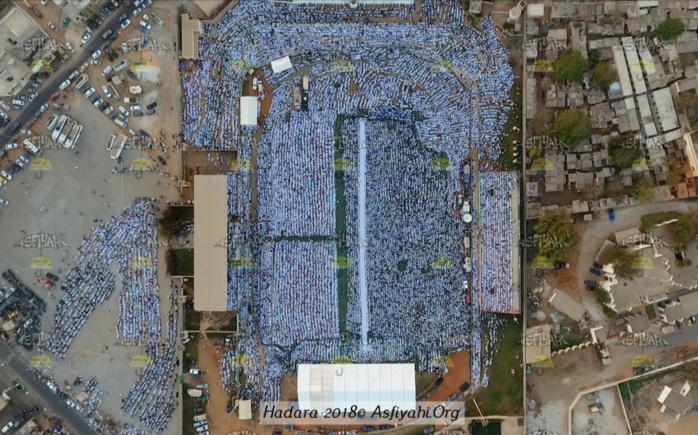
[248,110]
[280,65]
[322,386]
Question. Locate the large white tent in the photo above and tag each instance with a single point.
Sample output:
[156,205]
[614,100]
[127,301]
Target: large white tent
[322,386]
[281,65]
[248,110]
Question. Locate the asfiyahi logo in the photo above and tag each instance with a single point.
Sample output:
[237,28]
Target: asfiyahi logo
[542,262]
[342,164]
[47,143]
[545,143]
[642,262]
[542,164]
[642,361]
[241,164]
[641,165]
[41,241]
[342,263]
[643,339]
[442,65]
[543,65]
[41,361]
[241,262]
[441,361]
[542,361]
[643,65]
[144,44]
[40,164]
[442,164]
[141,263]
[240,360]
[442,263]
[541,432]
[240,65]
[545,44]
[341,359]
[38,43]
[140,361]
[341,65]
[142,164]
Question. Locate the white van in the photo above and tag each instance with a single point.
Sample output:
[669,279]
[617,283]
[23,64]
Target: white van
[200,417]
[32,148]
[107,70]
[121,65]
[82,81]
[119,122]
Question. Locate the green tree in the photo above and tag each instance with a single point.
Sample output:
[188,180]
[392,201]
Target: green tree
[687,226]
[624,152]
[644,192]
[622,260]
[614,188]
[675,174]
[572,126]
[173,224]
[603,74]
[557,234]
[570,66]
[670,29]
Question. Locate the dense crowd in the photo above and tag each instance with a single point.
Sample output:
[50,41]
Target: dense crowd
[455,76]
[130,238]
[431,93]
[497,225]
[152,400]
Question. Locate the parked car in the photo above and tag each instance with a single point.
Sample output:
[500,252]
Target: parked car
[4,105]
[150,112]
[123,111]
[98,102]
[144,24]
[196,371]
[591,285]
[143,30]
[11,146]
[4,202]
[96,54]
[64,85]
[136,107]
[52,26]
[130,74]
[162,160]
[137,113]
[96,62]
[125,24]
[6,175]
[611,214]
[86,37]
[108,110]
[26,132]
[89,92]
[14,127]
[595,271]
[65,22]
[151,105]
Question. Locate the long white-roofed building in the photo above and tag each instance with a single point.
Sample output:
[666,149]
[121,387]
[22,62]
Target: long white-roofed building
[322,386]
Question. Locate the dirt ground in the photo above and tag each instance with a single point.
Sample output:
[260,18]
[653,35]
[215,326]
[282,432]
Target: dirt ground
[458,373]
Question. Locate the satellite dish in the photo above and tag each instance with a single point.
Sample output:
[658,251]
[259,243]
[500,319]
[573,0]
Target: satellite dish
[467,218]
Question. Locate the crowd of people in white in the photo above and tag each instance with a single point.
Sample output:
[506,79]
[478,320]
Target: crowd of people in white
[130,238]
[497,225]
[431,92]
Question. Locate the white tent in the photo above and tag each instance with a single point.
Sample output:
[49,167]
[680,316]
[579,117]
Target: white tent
[248,110]
[280,65]
[245,409]
[322,386]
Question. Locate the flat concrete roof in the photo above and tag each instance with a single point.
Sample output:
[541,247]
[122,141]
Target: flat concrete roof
[191,31]
[567,305]
[210,227]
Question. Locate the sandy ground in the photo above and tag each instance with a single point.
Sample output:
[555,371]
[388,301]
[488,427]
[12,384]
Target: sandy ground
[610,420]
[458,373]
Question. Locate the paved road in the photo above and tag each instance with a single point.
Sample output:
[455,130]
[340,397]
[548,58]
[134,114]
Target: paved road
[51,85]
[15,368]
